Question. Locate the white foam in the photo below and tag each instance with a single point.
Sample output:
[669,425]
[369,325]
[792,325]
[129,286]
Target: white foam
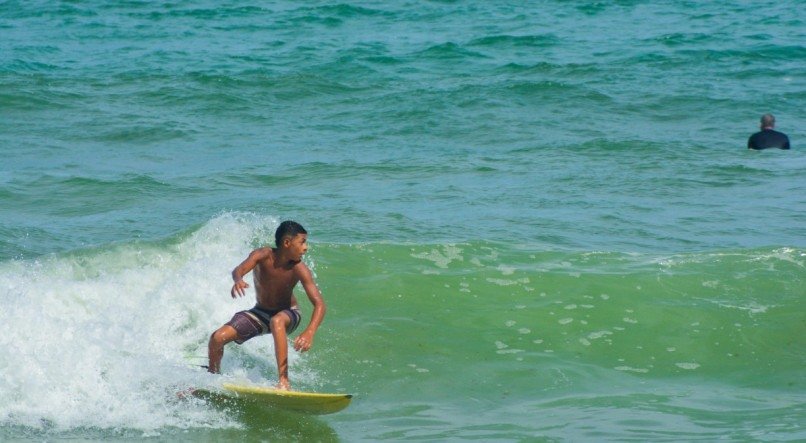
[506,270]
[442,258]
[509,351]
[687,366]
[104,339]
[752,307]
[631,369]
[505,282]
[599,334]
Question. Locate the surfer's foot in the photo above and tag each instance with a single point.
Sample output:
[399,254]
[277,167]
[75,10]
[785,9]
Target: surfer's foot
[283,385]
[185,394]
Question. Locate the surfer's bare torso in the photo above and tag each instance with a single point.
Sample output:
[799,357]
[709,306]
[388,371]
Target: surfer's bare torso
[275,280]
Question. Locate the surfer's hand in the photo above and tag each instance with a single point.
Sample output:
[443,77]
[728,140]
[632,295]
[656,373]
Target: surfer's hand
[303,342]
[238,289]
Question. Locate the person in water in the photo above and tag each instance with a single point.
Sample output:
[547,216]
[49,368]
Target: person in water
[276,271]
[768,137]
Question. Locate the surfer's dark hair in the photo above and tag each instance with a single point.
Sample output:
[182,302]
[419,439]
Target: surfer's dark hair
[287,228]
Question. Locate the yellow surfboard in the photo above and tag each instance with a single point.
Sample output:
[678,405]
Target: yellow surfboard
[305,402]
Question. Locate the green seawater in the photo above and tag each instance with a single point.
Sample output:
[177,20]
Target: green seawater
[472,340]
[530,222]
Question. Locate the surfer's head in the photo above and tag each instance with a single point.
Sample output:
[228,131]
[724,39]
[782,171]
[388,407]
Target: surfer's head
[287,229]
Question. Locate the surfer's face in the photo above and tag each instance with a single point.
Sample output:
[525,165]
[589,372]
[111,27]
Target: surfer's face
[298,246]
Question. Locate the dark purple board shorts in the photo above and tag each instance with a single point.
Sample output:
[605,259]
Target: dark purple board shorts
[257,321]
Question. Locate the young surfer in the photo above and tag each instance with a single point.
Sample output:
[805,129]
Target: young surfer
[276,272]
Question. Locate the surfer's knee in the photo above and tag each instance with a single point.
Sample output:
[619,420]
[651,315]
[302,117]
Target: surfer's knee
[214,339]
[279,322]
[219,338]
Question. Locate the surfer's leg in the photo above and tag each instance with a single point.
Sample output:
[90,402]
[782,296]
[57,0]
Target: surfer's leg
[279,323]
[215,348]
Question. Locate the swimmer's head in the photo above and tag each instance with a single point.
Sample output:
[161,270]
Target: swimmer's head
[767,121]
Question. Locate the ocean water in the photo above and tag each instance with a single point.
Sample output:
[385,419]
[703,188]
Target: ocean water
[531,222]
